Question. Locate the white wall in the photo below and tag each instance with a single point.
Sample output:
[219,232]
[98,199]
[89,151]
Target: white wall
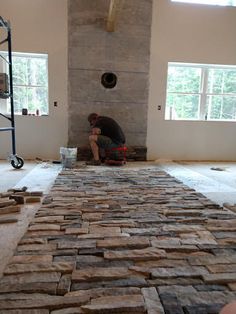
[180,32]
[40,26]
[189,33]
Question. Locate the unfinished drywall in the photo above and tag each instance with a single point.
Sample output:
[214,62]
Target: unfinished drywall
[189,33]
[125,52]
[40,26]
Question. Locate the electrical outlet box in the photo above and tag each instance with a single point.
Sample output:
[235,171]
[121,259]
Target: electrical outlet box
[4,84]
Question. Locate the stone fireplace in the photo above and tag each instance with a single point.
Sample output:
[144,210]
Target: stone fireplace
[109,71]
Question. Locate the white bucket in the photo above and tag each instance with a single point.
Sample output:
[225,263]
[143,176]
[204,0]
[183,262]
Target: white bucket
[68,157]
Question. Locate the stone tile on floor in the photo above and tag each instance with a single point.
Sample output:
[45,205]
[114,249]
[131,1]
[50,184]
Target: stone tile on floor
[122,240]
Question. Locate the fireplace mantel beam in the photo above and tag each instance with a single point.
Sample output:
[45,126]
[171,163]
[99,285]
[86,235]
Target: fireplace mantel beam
[114,8]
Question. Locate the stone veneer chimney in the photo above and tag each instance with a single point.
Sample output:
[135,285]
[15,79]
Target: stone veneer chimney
[125,53]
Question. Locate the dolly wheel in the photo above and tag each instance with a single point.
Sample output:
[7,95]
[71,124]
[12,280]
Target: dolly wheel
[17,162]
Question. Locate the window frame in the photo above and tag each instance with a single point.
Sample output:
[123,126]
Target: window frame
[203,93]
[202,3]
[4,68]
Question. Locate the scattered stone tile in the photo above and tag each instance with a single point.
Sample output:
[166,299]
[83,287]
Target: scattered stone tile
[130,282]
[32,241]
[205,287]
[121,240]
[42,301]
[32,199]
[101,236]
[164,262]
[117,304]
[232,286]
[92,216]
[64,258]
[128,223]
[206,297]
[47,200]
[76,230]
[134,242]
[221,278]
[6,202]
[174,244]
[64,284]
[36,193]
[25,311]
[95,274]
[62,267]
[171,304]
[224,235]
[36,247]
[221,268]
[9,209]
[212,259]
[39,227]
[142,231]
[24,259]
[175,281]
[187,271]
[70,310]
[31,277]
[203,308]
[177,289]
[152,301]
[8,219]
[181,228]
[29,287]
[5,194]
[136,255]
[49,219]
[100,292]
[45,233]
[85,244]
[104,230]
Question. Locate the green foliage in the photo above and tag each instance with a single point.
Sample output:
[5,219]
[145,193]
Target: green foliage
[30,82]
[186,92]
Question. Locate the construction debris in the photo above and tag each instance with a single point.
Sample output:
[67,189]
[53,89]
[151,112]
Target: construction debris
[218,169]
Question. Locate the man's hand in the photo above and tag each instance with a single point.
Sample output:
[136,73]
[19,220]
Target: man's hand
[96,131]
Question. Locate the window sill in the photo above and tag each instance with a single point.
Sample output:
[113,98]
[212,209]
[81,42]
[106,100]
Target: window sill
[27,115]
[182,120]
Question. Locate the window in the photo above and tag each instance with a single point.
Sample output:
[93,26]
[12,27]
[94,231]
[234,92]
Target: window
[30,82]
[201,92]
[212,2]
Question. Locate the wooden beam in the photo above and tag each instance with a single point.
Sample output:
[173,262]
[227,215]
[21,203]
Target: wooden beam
[114,9]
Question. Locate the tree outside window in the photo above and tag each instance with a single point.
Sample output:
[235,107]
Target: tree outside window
[30,83]
[201,92]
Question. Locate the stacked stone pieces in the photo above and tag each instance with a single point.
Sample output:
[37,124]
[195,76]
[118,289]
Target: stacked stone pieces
[11,200]
[123,241]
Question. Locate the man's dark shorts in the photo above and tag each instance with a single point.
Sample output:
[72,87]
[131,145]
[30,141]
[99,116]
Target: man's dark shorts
[105,142]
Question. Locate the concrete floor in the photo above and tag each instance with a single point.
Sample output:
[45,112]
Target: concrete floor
[37,177]
[215,180]
[219,186]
